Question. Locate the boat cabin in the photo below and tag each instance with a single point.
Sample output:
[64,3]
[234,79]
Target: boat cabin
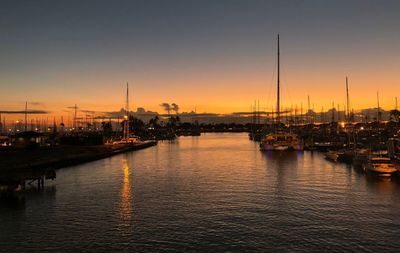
[28,139]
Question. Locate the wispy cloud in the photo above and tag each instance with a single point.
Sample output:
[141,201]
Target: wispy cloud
[23,112]
[72,107]
[36,104]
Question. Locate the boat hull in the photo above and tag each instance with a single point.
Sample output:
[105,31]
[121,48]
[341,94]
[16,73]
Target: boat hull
[380,170]
[278,147]
[332,156]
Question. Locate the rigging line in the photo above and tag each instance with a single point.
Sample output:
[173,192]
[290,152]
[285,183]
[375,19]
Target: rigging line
[286,92]
[271,85]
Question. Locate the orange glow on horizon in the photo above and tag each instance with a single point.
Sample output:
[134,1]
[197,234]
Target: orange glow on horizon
[219,94]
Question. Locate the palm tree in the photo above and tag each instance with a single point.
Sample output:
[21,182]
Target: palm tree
[395,115]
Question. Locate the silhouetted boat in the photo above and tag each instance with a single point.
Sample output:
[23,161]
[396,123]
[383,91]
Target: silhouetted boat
[280,139]
[323,146]
[332,155]
[345,156]
[128,137]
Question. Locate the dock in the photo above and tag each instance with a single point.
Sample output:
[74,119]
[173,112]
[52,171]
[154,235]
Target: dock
[19,167]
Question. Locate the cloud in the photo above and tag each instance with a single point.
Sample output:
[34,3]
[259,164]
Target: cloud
[35,104]
[72,107]
[121,113]
[81,110]
[87,111]
[27,112]
[170,107]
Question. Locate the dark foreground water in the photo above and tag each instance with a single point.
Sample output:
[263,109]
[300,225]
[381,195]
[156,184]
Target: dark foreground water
[214,193]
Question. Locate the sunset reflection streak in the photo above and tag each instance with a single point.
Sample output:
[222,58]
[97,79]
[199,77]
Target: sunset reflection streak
[126,201]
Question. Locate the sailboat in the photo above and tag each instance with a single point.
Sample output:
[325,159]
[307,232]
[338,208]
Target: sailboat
[345,154]
[379,160]
[280,139]
[128,138]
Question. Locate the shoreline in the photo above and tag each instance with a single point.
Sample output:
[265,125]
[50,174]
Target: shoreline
[17,166]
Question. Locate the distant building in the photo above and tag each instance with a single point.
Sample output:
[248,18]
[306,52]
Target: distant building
[140,110]
[28,139]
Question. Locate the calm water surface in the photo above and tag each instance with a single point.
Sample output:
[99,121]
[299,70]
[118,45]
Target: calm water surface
[216,193]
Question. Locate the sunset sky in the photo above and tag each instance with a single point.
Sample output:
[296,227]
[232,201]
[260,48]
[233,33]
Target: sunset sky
[217,56]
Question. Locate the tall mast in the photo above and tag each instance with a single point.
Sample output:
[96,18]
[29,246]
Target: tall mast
[301,112]
[26,116]
[75,119]
[278,88]
[127,112]
[377,111]
[322,115]
[291,112]
[309,106]
[347,101]
[254,113]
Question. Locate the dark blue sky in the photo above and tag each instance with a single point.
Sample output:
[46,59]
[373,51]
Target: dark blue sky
[187,51]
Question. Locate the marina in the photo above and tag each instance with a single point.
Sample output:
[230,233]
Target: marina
[213,192]
[199,126]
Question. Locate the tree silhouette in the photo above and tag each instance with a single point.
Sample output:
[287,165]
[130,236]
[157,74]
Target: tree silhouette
[395,115]
[107,128]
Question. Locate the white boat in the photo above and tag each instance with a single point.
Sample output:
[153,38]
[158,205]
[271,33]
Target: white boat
[129,140]
[280,141]
[128,137]
[382,166]
[332,156]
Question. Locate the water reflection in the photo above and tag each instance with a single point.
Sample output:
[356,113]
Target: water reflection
[16,200]
[126,202]
[382,184]
[11,201]
[282,157]
[216,192]
[280,165]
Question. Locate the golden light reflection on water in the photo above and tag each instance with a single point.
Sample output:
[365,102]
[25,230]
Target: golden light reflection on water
[382,184]
[126,196]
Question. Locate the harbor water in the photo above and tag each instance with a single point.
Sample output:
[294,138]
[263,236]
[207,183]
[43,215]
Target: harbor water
[212,193]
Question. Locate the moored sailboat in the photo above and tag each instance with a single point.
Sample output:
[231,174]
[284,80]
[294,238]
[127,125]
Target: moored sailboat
[280,139]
